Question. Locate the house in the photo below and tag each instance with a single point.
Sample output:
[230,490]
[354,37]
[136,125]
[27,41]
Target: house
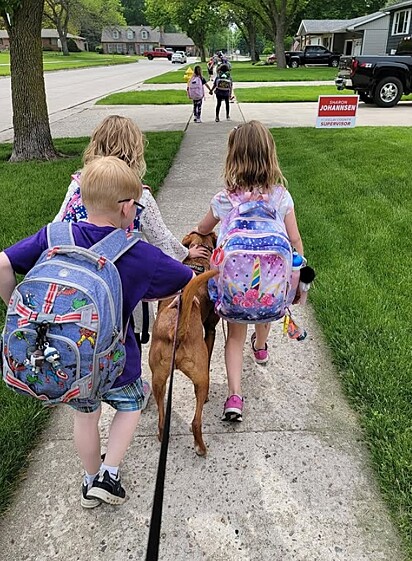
[135,39]
[365,35]
[49,38]
[400,24]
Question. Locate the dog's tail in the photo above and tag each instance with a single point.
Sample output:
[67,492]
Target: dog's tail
[187,300]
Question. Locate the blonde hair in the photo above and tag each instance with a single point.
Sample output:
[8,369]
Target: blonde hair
[120,137]
[251,161]
[106,181]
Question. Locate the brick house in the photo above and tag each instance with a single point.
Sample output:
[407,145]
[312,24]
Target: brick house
[49,39]
[135,39]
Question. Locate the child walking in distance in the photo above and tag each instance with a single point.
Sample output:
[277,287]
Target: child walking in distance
[223,87]
[196,92]
[253,177]
[110,191]
[121,137]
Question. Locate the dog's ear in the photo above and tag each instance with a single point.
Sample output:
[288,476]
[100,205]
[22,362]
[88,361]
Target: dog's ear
[213,238]
[187,240]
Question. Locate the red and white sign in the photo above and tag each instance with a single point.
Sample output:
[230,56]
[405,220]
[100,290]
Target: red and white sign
[336,111]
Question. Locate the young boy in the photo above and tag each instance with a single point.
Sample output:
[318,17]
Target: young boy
[110,191]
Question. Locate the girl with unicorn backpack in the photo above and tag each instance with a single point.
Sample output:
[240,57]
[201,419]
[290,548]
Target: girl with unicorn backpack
[254,252]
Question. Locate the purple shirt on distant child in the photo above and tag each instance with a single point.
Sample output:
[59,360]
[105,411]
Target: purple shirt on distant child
[145,271]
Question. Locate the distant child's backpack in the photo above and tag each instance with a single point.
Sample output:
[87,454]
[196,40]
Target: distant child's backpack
[63,335]
[223,84]
[195,88]
[254,258]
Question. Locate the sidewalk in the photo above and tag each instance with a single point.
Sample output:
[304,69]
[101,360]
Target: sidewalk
[290,483]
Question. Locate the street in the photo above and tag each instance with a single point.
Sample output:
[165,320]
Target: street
[67,89]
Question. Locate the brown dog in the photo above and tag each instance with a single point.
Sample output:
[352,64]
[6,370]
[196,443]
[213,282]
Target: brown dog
[195,339]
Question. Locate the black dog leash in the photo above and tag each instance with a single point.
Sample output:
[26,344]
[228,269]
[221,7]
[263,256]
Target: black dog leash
[152,553]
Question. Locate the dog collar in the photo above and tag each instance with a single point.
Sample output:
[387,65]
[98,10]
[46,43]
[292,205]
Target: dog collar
[197,268]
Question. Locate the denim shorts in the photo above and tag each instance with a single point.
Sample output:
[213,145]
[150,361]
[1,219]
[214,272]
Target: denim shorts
[126,398]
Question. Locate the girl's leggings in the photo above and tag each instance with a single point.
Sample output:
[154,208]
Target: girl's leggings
[197,108]
[219,103]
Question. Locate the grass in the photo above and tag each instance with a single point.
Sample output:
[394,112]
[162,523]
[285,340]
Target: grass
[31,195]
[353,196]
[152,97]
[276,94]
[246,72]
[56,61]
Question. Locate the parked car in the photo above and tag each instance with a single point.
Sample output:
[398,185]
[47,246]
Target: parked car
[312,54]
[179,56]
[379,79]
[158,53]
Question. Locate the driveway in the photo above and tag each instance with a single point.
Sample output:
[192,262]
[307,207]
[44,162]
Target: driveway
[69,89]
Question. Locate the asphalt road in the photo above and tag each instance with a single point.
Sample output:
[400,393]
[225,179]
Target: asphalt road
[68,90]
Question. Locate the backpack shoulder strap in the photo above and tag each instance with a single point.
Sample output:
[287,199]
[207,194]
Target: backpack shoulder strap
[60,233]
[115,244]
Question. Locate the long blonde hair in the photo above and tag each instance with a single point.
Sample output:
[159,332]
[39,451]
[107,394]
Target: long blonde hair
[120,137]
[251,161]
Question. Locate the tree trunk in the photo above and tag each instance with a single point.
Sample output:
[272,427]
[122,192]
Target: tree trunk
[280,45]
[65,48]
[251,31]
[203,52]
[32,136]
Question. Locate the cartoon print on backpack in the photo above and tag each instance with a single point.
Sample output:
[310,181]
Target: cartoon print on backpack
[47,321]
[254,258]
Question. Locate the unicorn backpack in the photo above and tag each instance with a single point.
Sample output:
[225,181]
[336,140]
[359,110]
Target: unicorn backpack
[63,335]
[195,88]
[254,258]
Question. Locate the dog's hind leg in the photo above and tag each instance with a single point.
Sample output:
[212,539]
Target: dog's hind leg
[197,371]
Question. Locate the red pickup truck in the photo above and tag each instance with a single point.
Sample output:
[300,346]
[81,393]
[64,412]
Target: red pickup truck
[158,53]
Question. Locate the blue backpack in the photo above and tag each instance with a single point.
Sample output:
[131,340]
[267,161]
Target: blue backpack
[63,335]
[254,258]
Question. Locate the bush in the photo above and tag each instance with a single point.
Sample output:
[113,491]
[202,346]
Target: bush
[72,46]
[99,49]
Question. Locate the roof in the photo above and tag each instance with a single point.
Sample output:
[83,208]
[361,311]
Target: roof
[318,26]
[45,34]
[154,35]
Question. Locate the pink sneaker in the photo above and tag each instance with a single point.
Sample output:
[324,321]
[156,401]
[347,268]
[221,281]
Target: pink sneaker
[232,410]
[261,355]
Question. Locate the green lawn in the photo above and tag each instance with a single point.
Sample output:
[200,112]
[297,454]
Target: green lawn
[56,61]
[152,97]
[275,94]
[31,195]
[246,72]
[353,197]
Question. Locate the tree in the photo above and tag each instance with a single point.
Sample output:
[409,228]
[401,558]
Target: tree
[32,136]
[197,18]
[82,15]
[57,13]
[134,12]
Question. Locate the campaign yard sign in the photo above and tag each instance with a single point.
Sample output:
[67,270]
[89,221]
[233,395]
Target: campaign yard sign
[336,111]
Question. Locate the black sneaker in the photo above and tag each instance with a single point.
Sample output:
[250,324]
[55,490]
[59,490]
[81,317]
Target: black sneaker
[108,489]
[87,502]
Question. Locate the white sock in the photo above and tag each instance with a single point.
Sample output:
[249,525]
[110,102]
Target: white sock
[113,470]
[88,479]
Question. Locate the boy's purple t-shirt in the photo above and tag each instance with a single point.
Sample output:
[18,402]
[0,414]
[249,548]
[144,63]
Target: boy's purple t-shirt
[145,271]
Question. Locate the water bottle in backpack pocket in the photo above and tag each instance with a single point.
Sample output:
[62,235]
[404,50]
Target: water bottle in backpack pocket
[63,335]
[254,258]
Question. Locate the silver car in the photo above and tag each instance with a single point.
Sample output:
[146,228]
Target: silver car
[179,56]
